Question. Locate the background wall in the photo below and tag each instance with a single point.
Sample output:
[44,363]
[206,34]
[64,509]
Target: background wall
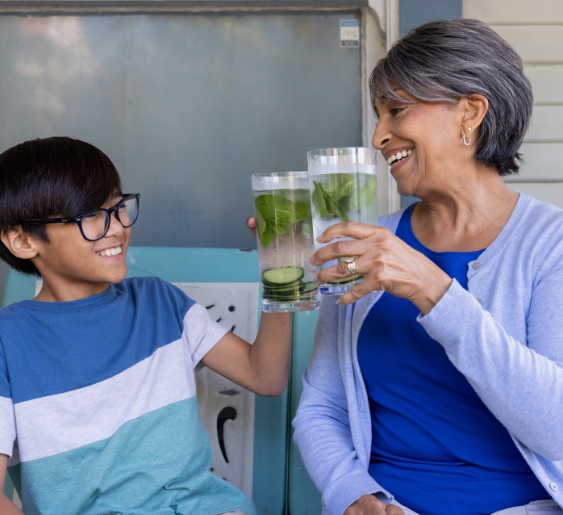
[187,104]
[535,30]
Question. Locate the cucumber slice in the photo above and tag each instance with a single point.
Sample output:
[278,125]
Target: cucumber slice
[284,276]
[291,286]
[309,287]
[305,291]
[345,280]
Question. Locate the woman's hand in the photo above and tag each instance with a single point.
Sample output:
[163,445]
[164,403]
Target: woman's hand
[386,262]
[369,505]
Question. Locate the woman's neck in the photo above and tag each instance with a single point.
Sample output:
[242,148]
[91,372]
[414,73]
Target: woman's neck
[467,217]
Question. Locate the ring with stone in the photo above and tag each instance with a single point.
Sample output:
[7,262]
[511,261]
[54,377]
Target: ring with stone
[351,264]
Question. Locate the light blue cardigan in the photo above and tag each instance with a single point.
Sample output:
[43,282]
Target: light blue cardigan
[505,335]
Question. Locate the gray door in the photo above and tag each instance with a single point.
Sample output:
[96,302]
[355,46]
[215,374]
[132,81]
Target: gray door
[187,106]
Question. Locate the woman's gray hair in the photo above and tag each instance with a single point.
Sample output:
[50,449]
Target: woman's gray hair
[444,61]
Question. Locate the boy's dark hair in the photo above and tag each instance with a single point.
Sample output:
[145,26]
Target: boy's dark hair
[51,177]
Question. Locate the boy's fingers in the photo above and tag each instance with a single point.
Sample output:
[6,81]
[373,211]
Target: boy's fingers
[251,224]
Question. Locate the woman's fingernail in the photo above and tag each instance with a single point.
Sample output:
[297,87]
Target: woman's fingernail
[339,301]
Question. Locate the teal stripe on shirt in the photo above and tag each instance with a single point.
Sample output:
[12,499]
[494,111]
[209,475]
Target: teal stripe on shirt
[166,471]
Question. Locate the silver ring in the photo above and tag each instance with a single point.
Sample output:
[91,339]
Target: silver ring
[351,264]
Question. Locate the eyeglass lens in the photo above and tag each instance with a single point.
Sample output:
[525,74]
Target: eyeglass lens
[96,223]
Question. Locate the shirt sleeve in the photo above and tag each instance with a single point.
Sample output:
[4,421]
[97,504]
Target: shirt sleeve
[7,418]
[201,332]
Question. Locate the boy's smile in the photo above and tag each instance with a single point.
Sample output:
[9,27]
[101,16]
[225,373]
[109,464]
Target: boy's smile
[110,252]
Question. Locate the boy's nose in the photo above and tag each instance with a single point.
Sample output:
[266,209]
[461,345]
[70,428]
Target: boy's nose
[115,226]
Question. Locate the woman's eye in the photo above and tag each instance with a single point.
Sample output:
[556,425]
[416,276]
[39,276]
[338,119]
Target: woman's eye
[395,111]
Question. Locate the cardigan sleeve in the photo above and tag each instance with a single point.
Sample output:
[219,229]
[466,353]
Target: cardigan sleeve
[521,382]
[322,425]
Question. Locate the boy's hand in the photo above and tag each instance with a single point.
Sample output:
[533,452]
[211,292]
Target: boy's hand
[251,224]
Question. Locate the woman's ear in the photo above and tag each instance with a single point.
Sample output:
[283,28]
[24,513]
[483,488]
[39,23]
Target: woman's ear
[20,244]
[475,109]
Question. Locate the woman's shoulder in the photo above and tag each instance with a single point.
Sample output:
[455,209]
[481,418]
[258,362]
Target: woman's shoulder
[391,220]
[536,232]
[537,216]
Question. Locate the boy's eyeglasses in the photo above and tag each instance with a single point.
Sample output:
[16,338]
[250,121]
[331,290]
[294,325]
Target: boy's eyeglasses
[94,224]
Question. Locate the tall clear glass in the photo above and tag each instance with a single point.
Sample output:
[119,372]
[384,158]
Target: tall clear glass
[284,232]
[343,187]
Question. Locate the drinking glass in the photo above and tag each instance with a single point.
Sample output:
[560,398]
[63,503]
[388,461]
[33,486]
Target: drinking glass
[284,233]
[343,186]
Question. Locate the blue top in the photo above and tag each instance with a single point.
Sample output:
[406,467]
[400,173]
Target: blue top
[98,405]
[431,431]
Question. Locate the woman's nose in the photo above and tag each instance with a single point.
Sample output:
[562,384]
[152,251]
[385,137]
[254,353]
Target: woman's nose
[380,136]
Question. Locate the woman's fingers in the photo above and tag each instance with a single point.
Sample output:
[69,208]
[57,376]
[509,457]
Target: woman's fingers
[348,248]
[356,293]
[370,505]
[355,230]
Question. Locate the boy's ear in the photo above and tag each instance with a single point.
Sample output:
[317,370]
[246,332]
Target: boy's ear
[19,243]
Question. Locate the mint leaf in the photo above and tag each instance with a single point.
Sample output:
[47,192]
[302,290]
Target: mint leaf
[275,209]
[307,229]
[338,209]
[260,222]
[364,195]
[321,200]
[276,215]
[340,185]
[267,236]
[302,211]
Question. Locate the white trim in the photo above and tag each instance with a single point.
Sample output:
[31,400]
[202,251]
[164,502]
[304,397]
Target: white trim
[380,25]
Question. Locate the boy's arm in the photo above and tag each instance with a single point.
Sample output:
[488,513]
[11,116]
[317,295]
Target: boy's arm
[7,507]
[263,367]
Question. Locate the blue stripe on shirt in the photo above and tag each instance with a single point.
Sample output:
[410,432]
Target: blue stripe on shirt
[92,356]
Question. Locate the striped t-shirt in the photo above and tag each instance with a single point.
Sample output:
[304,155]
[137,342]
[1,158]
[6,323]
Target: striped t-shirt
[98,406]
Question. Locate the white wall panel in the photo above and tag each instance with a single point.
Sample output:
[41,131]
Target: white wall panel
[551,192]
[542,161]
[535,43]
[514,11]
[535,30]
[546,124]
[547,82]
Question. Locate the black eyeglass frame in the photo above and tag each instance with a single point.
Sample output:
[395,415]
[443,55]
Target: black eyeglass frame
[78,219]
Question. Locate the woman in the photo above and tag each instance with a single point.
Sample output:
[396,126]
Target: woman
[441,392]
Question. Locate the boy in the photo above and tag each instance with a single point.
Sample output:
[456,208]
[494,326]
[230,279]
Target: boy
[98,412]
